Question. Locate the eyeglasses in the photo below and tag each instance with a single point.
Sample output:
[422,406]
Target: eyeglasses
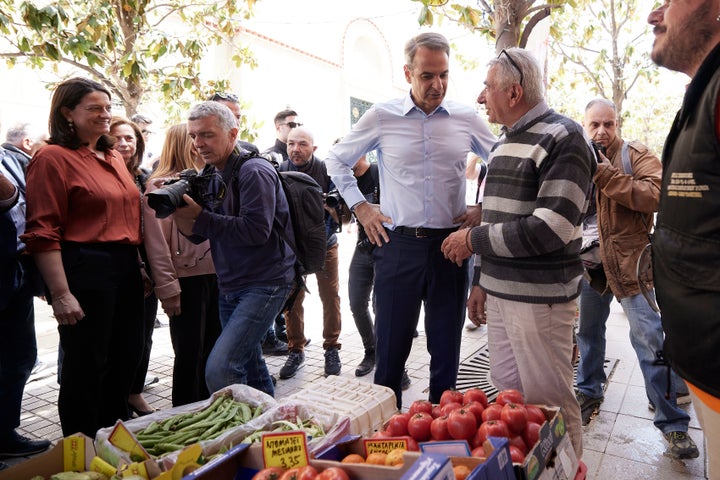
[522,77]
[224,96]
[292,124]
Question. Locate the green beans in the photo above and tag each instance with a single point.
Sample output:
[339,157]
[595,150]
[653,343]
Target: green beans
[177,432]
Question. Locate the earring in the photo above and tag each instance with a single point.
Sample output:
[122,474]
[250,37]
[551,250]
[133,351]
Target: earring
[717,19]
[71,125]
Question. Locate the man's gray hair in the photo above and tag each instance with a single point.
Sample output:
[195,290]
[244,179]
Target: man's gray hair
[602,101]
[533,84]
[20,131]
[429,40]
[225,117]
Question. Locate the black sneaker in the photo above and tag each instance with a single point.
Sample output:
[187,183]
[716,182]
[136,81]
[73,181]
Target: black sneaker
[405,382]
[295,360]
[681,445]
[332,362]
[274,346]
[588,406]
[366,365]
[18,446]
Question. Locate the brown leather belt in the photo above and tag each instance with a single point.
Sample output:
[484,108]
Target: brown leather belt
[422,232]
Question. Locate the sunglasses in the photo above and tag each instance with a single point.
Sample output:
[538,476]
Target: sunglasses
[292,124]
[512,62]
[224,96]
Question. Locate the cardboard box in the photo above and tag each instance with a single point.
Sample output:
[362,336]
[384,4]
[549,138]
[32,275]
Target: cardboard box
[551,434]
[431,466]
[563,464]
[498,465]
[73,453]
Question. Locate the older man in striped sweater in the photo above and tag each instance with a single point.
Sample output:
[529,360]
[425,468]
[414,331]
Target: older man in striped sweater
[528,279]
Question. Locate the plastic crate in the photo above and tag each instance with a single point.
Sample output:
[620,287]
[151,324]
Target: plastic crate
[367,405]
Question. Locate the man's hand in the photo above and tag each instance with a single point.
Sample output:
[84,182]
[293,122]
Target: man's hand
[476,306]
[185,216]
[471,218]
[455,246]
[67,309]
[371,218]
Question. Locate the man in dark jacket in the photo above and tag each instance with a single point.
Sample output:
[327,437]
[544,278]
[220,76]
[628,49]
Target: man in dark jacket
[686,251]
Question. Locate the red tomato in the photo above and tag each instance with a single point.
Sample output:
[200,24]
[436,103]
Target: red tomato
[462,424]
[531,435]
[439,428]
[477,409]
[535,414]
[475,395]
[397,425]
[478,452]
[412,444]
[333,473]
[270,473]
[290,474]
[510,395]
[420,406]
[518,441]
[419,426]
[451,395]
[516,454]
[307,472]
[492,412]
[449,407]
[492,428]
[436,411]
[515,416]
[381,434]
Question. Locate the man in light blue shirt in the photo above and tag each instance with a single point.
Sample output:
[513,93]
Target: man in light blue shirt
[422,142]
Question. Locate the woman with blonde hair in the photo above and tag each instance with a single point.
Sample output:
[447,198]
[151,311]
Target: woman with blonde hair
[184,276]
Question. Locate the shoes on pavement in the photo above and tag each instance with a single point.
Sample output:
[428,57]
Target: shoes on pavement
[4,466]
[150,380]
[274,346]
[681,445]
[588,406]
[18,446]
[282,336]
[332,362]
[366,364]
[405,382]
[295,360]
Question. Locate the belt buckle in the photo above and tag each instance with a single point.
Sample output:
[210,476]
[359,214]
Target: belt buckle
[420,232]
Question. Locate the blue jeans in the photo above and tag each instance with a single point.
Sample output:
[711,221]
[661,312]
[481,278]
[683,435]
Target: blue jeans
[646,337]
[245,317]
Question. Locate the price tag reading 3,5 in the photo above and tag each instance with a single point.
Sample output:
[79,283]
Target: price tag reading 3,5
[285,449]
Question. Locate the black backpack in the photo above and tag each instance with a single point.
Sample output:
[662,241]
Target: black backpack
[307,213]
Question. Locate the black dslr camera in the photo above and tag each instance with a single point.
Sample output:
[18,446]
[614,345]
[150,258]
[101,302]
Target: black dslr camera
[333,199]
[166,199]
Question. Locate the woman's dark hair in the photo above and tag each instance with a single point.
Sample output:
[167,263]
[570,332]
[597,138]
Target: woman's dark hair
[69,94]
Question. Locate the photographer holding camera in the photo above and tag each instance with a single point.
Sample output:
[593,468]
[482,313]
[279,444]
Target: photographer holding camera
[242,210]
[301,151]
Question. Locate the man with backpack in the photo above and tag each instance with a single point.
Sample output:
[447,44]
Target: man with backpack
[627,183]
[301,152]
[246,217]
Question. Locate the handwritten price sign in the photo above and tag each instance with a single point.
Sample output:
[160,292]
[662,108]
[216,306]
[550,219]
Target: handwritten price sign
[285,449]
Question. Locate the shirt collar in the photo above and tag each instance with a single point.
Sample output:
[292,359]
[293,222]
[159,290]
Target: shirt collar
[409,105]
[540,109]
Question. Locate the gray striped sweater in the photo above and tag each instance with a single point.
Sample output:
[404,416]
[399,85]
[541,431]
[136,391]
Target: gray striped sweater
[536,194]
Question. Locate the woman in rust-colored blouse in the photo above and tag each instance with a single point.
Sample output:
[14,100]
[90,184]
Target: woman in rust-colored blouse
[83,228]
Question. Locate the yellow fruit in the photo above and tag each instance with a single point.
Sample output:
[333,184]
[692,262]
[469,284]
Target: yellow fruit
[395,457]
[376,458]
[353,458]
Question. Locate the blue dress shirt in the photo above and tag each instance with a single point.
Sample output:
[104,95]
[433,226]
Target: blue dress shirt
[421,159]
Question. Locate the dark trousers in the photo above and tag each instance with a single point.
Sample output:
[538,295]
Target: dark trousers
[18,351]
[193,334]
[409,273]
[150,306]
[361,276]
[102,351]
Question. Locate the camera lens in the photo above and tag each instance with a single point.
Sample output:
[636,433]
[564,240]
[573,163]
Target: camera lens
[167,199]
